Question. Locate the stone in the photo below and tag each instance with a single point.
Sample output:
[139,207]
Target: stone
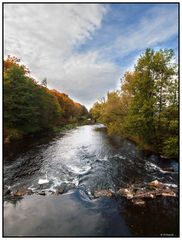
[21,192]
[103,193]
[129,196]
[126,193]
[123,191]
[42,193]
[60,190]
[155,183]
[152,195]
[151,190]
[138,202]
[169,194]
[147,194]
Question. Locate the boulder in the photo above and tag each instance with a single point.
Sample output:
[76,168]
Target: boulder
[155,183]
[103,193]
[151,190]
[125,192]
[168,194]
[21,192]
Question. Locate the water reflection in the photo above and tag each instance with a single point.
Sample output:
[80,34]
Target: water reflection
[66,215]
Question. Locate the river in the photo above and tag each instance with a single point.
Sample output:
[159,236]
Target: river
[84,160]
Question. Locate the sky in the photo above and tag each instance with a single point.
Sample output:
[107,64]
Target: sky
[84,49]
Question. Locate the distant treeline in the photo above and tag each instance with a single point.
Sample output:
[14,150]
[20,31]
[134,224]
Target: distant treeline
[30,107]
[146,107]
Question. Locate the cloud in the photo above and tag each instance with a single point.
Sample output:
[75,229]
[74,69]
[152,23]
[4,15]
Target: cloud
[87,77]
[45,27]
[157,26]
[44,37]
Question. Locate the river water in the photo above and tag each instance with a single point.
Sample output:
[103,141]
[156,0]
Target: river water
[84,160]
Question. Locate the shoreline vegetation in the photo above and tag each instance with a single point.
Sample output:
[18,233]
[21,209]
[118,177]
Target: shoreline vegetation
[146,108]
[31,108]
[54,130]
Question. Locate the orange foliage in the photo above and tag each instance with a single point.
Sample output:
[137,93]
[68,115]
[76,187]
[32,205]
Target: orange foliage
[12,61]
[68,106]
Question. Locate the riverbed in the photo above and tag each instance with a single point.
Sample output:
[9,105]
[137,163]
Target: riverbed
[85,160]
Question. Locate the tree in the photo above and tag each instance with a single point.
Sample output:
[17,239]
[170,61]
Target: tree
[141,112]
[71,110]
[44,82]
[96,111]
[28,107]
[146,107]
[154,77]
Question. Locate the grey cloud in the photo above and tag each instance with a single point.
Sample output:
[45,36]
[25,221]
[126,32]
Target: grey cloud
[87,78]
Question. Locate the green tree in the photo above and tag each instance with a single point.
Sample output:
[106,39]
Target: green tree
[28,107]
[146,107]
[141,112]
[96,111]
[155,78]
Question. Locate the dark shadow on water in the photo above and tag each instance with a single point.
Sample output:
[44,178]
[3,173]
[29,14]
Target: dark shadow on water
[158,218]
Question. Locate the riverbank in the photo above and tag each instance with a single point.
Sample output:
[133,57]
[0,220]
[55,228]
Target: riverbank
[15,136]
[72,126]
[148,149]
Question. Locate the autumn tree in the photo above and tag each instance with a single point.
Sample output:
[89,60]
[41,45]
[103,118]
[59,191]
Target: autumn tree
[72,111]
[146,107]
[96,111]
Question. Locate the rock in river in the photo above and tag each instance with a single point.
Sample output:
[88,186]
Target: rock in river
[103,193]
[128,193]
[151,190]
[60,190]
[21,192]
[155,183]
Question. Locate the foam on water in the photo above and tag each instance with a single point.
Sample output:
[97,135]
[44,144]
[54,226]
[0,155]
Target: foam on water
[171,185]
[79,170]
